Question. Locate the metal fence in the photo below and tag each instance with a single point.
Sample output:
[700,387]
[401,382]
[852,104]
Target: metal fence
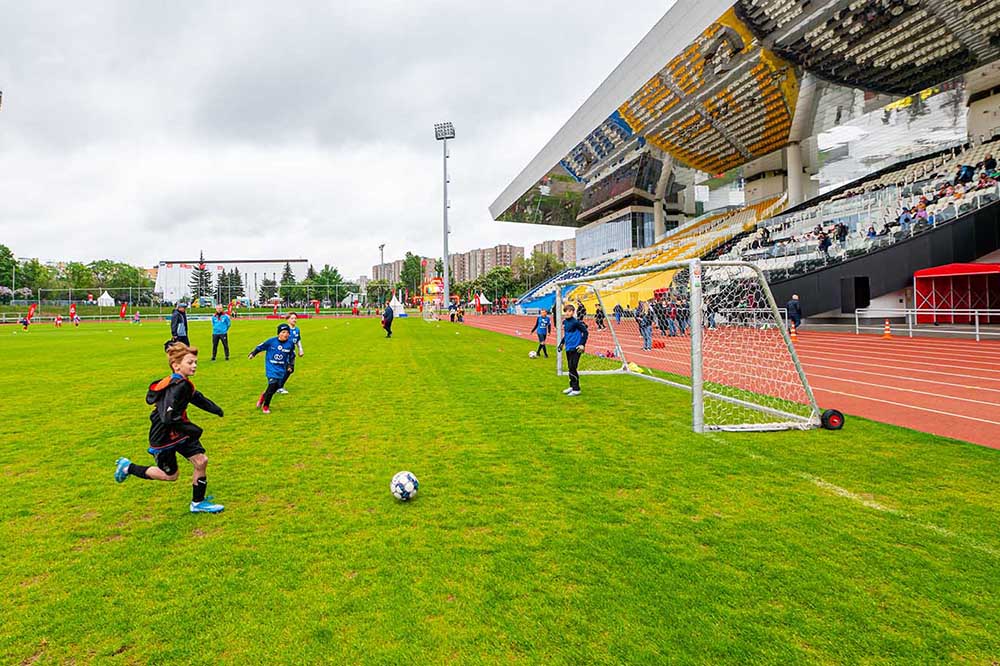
[979,322]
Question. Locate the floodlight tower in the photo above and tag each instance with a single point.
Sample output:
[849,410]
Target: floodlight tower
[443,132]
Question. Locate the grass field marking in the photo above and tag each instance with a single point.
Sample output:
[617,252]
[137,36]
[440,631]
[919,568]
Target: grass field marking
[901,404]
[909,379]
[900,388]
[871,504]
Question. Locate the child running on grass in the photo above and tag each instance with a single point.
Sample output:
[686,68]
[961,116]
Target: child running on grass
[171,432]
[542,324]
[296,340]
[278,351]
[573,341]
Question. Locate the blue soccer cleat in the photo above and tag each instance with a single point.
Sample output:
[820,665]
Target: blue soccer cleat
[206,506]
[121,469]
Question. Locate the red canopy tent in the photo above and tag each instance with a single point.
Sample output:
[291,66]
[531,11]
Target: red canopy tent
[957,287]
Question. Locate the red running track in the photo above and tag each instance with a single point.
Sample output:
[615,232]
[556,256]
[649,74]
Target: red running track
[946,387]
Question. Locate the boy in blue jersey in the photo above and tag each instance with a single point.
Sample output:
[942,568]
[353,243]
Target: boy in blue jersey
[573,341]
[542,325]
[295,338]
[277,352]
[172,432]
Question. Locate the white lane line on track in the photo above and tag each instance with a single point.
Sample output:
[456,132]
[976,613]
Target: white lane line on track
[891,358]
[906,406]
[899,388]
[805,358]
[871,504]
[974,359]
[935,382]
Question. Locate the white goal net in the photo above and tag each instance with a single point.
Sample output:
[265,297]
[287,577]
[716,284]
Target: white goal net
[712,328]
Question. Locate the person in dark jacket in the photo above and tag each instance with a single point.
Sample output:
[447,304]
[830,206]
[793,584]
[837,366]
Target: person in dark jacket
[794,309]
[573,341]
[179,324]
[599,317]
[172,432]
[644,317]
[387,316]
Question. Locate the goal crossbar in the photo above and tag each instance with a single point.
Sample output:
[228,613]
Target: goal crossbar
[766,311]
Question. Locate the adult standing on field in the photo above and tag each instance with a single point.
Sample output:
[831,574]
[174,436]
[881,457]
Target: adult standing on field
[387,316]
[220,331]
[179,324]
[794,309]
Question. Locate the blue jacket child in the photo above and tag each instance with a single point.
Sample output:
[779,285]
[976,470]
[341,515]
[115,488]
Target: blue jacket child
[277,357]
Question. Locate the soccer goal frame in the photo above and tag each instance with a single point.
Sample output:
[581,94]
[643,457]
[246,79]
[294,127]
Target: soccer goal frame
[782,419]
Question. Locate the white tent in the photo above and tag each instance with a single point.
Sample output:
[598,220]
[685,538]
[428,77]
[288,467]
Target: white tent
[397,306]
[484,301]
[105,300]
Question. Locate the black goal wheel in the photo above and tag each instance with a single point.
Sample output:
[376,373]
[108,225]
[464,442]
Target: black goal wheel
[832,419]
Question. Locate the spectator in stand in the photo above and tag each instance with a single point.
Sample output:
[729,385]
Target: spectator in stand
[824,244]
[871,233]
[841,233]
[794,309]
[905,219]
[989,164]
[964,174]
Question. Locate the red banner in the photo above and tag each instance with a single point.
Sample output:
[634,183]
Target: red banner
[316,305]
[31,310]
[72,309]
[275,308]
[123,311]
[229,311]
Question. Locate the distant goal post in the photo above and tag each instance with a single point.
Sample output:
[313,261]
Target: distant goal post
[709,327]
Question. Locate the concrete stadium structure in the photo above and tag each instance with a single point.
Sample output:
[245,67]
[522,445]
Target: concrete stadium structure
[782,100]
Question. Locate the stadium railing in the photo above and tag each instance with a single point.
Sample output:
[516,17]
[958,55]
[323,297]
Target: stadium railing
[873,320]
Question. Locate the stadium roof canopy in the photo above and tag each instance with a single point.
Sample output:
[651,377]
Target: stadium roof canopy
[716,84]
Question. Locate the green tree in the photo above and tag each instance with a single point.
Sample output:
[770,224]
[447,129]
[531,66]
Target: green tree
[7,266]
[268,289]
[311,273]
[236,285]
[438,268]
[412,274]
[289,291]
[34,275]
[201,279]
[378,291]
[78,275]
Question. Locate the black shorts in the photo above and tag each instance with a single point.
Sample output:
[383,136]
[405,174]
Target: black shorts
[166,459]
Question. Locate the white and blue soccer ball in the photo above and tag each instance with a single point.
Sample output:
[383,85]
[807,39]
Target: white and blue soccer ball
[532,354]
[404,486]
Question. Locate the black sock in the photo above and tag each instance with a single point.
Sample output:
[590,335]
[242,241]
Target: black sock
[198,489]
[137,470]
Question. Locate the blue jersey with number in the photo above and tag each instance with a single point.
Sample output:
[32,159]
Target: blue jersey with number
[295,336]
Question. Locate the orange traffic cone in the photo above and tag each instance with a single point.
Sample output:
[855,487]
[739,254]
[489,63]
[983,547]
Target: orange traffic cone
[791,332]
[887,331]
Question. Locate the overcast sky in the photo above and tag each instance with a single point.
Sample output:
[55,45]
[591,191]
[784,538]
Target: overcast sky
[145,131]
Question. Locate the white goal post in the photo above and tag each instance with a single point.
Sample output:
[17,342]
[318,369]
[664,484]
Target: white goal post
[709,327]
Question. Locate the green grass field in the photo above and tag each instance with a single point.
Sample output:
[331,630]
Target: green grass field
[554,530]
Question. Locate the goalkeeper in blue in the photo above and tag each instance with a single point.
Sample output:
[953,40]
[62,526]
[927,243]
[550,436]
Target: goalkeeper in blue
[541,327]
[573,341]
[172,432]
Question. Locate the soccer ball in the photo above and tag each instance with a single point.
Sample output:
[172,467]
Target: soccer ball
[532,354]
[404,486]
